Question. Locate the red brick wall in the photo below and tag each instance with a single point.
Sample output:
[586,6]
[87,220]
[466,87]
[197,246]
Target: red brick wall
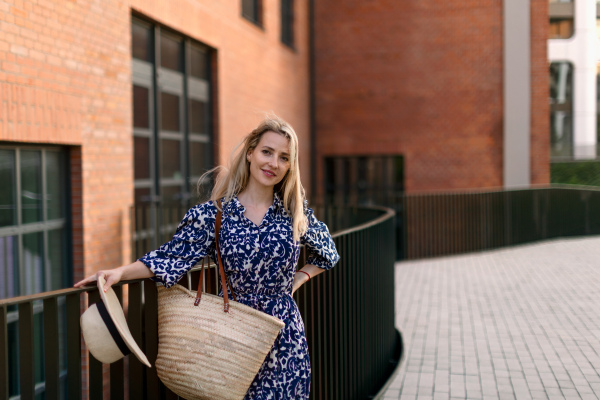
[65,78]
[257,73]
[422,79]
[540,87]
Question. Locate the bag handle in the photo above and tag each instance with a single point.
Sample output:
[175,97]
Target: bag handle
[224,280]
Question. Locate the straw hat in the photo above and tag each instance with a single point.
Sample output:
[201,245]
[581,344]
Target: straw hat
[105,329]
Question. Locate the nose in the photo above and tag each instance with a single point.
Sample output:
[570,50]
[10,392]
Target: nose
[273,162]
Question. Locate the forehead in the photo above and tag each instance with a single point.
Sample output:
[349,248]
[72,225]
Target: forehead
[275,141]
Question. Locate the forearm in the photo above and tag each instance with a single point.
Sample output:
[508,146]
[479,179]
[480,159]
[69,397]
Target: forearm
[135,270]
[309,271]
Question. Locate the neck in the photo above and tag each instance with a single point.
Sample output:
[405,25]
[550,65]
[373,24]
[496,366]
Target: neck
[255,195]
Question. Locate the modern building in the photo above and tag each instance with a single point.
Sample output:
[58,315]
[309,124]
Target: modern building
[574,55]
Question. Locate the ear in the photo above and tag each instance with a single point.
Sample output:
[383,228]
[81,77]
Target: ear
[248,154]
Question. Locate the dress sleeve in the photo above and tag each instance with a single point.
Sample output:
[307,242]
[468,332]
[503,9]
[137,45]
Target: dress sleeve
[192,241]
[319,244]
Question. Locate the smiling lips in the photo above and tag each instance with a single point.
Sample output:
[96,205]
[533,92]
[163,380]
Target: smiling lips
[268,173]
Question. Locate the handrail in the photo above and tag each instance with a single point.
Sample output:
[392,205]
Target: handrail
[388,213]
[437,224]
[348,314]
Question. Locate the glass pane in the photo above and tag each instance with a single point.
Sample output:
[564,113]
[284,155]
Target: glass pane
[141,107]
[141,42]
[9,267]
[170,53]
[561,125]
[561,28]
[57,252]
[287,22]
[142,195]
[55,185]
[33,263]
[171,194]
[8,182]
[31,186]
[141,156]
[199,158]
[250,10]
[198,116]
[561,100]
[199,63]
[170,160]
[169,112]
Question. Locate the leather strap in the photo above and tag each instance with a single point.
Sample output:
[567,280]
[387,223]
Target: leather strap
[224,280]
[199,292]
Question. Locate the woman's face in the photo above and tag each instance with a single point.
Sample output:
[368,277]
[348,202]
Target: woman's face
[270,160]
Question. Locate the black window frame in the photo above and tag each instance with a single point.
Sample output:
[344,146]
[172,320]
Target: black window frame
[45,228]
[252,10]
[561,110]
[561,12]
[288,23]
[189,89]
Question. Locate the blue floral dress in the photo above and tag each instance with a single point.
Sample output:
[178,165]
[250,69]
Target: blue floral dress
[260,262]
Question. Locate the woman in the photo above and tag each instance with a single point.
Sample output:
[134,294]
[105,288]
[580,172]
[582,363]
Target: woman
[265,219]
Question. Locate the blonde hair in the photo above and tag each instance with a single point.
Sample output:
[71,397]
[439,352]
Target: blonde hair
[233,180]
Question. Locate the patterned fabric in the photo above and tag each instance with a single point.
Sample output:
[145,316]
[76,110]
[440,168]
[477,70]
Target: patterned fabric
[260,262]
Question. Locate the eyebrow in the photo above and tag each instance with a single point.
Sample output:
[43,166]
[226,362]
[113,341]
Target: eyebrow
[272,149]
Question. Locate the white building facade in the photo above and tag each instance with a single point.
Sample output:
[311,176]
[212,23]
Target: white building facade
[574,56]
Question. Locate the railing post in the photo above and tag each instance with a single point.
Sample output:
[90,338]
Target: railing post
[117,369]
[26,351]
[51,348]
[134,320]
[3,353]
[95,374]
[74,358]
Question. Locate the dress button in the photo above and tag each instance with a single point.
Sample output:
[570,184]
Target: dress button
[256,249]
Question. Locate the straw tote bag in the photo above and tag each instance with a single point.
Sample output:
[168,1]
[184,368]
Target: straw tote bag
[209,348]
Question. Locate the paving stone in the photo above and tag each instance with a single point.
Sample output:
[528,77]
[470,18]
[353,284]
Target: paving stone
[514,323]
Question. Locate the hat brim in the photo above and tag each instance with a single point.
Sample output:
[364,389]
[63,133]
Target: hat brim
[113,306]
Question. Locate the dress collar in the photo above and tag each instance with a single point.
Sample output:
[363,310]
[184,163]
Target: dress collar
[234,205]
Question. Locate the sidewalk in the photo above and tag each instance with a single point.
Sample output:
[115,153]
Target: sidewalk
[516,323]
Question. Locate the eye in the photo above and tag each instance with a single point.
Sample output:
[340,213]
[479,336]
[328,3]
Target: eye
[284,158]
[265,151]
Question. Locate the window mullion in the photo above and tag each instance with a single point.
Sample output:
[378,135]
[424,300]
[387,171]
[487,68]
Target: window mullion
[21,267]
[46,256]
[157,115]
[155,148]
[187,67]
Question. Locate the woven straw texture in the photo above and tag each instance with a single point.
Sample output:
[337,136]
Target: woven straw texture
[205,353]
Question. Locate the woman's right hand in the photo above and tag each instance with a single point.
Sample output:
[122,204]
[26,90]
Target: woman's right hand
[135,270]
[111,276]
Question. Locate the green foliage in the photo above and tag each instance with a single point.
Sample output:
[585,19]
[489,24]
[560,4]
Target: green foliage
[576,173]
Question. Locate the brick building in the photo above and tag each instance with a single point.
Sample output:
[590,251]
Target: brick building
[431,82]
[76,152]
[109,104]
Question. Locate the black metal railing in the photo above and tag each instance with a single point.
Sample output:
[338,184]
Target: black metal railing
[348,314]
[454,223]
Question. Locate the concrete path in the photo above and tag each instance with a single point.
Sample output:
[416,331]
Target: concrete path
[516,323]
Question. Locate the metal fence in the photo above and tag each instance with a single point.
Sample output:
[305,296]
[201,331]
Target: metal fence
[444,224]
[348,314]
